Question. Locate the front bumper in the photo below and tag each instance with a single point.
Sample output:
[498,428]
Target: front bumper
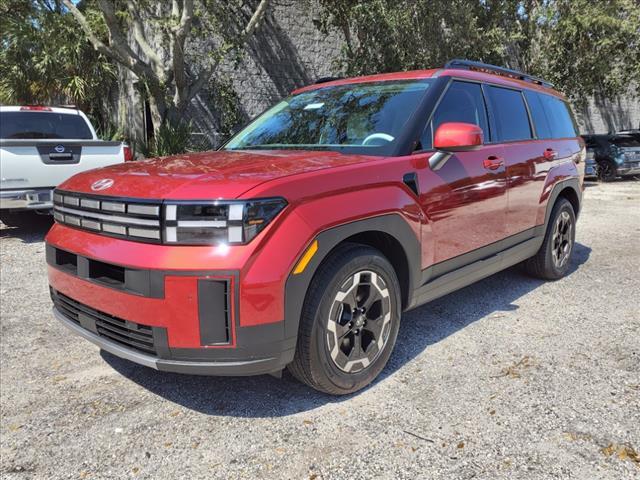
[31,199]
[185,321]
[276,361]
[629,168]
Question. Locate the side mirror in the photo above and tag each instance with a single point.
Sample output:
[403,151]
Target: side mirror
[458,137]
[454,137]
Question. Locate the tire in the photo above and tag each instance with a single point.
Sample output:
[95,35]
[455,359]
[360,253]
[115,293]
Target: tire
[338,351]
[554,257]
[607,171]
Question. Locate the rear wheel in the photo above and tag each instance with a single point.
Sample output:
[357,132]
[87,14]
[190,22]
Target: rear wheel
[349,323]
[553,259]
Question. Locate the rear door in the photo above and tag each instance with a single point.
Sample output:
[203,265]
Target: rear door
[510,122]
[550,140]
[465,201]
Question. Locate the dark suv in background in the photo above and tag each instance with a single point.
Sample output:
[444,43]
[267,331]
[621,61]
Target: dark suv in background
[612,155]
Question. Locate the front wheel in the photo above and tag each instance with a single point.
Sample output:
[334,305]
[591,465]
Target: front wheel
[607,171]
[553,259]
[349,323]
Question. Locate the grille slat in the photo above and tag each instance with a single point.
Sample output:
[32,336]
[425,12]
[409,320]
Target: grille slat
[125,333]
[136,220]
[130,334]
[126,340]
[73,315]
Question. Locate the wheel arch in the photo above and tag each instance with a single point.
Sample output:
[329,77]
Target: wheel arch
[570,194]
[390,234]
[568,189]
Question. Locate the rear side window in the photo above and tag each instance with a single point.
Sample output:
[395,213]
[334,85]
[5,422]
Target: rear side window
[463,102]
[510,112]
[34,125]
[538,115]
[558,115]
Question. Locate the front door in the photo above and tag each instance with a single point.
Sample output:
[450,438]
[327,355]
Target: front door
[465,201]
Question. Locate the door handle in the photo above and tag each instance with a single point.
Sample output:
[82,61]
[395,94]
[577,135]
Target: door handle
[550,154]
[493,162]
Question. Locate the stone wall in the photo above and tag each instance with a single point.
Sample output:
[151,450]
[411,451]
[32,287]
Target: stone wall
[286,52]
[603,115]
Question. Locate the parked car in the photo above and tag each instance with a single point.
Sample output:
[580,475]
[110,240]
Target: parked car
[40,147]
[612,155]
[300,242]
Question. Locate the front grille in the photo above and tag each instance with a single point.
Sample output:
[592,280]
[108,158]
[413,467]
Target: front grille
[136,220]
[132,335]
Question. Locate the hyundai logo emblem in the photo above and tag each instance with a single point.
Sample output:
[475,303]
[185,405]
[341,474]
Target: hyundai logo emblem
[102,184]
[59,148]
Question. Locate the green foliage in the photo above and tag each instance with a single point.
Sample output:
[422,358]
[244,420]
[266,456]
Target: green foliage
[170,139]
[583,46]
[106,130]
[227,103]
[45,58]
[590,46]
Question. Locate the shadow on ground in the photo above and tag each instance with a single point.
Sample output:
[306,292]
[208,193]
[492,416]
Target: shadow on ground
[266,396]
[29,227]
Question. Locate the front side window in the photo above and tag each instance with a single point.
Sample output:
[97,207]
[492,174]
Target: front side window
[35,125]
[510,112]
[463,102]
[363,118]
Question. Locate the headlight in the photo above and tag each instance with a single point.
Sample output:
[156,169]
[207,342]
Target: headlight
[218,221]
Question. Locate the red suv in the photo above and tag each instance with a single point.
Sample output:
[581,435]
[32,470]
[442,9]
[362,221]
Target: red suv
[301,241]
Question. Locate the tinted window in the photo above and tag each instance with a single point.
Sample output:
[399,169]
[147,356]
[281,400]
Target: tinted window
[560,119]
[512,120]
[366,117]
[540,121]
[34,125]
[463,102]
[629,142]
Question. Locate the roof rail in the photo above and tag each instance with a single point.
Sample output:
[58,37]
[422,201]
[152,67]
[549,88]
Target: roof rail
[494,69]
[326,79]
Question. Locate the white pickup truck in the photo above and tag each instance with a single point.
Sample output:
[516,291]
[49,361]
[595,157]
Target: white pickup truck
[40,147]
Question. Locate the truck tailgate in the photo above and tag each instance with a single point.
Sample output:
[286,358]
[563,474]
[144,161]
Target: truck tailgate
[47,163]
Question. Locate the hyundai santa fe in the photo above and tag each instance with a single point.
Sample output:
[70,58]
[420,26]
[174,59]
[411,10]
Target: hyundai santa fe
[301,241]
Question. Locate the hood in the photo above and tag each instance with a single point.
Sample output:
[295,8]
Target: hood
[217,174]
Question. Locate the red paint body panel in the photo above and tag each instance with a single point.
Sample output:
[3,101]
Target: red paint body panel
[418,74]
[206,175]
[464,203]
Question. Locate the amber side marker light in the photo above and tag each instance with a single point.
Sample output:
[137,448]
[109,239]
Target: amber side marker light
[306,258]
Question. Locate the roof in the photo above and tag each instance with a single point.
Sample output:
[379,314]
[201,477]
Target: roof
[433,73]
[40,108]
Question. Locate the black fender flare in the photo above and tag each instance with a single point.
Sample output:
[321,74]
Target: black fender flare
[555,193]
[392,224]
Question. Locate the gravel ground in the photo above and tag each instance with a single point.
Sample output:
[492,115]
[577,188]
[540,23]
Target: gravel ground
[508,378]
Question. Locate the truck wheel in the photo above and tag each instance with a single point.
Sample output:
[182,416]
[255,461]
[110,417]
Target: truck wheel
[607,171]
[349,321]
[553,259]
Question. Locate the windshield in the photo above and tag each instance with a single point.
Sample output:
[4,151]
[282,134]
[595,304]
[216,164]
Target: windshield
[34,125]
[627,142]
[359,118]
